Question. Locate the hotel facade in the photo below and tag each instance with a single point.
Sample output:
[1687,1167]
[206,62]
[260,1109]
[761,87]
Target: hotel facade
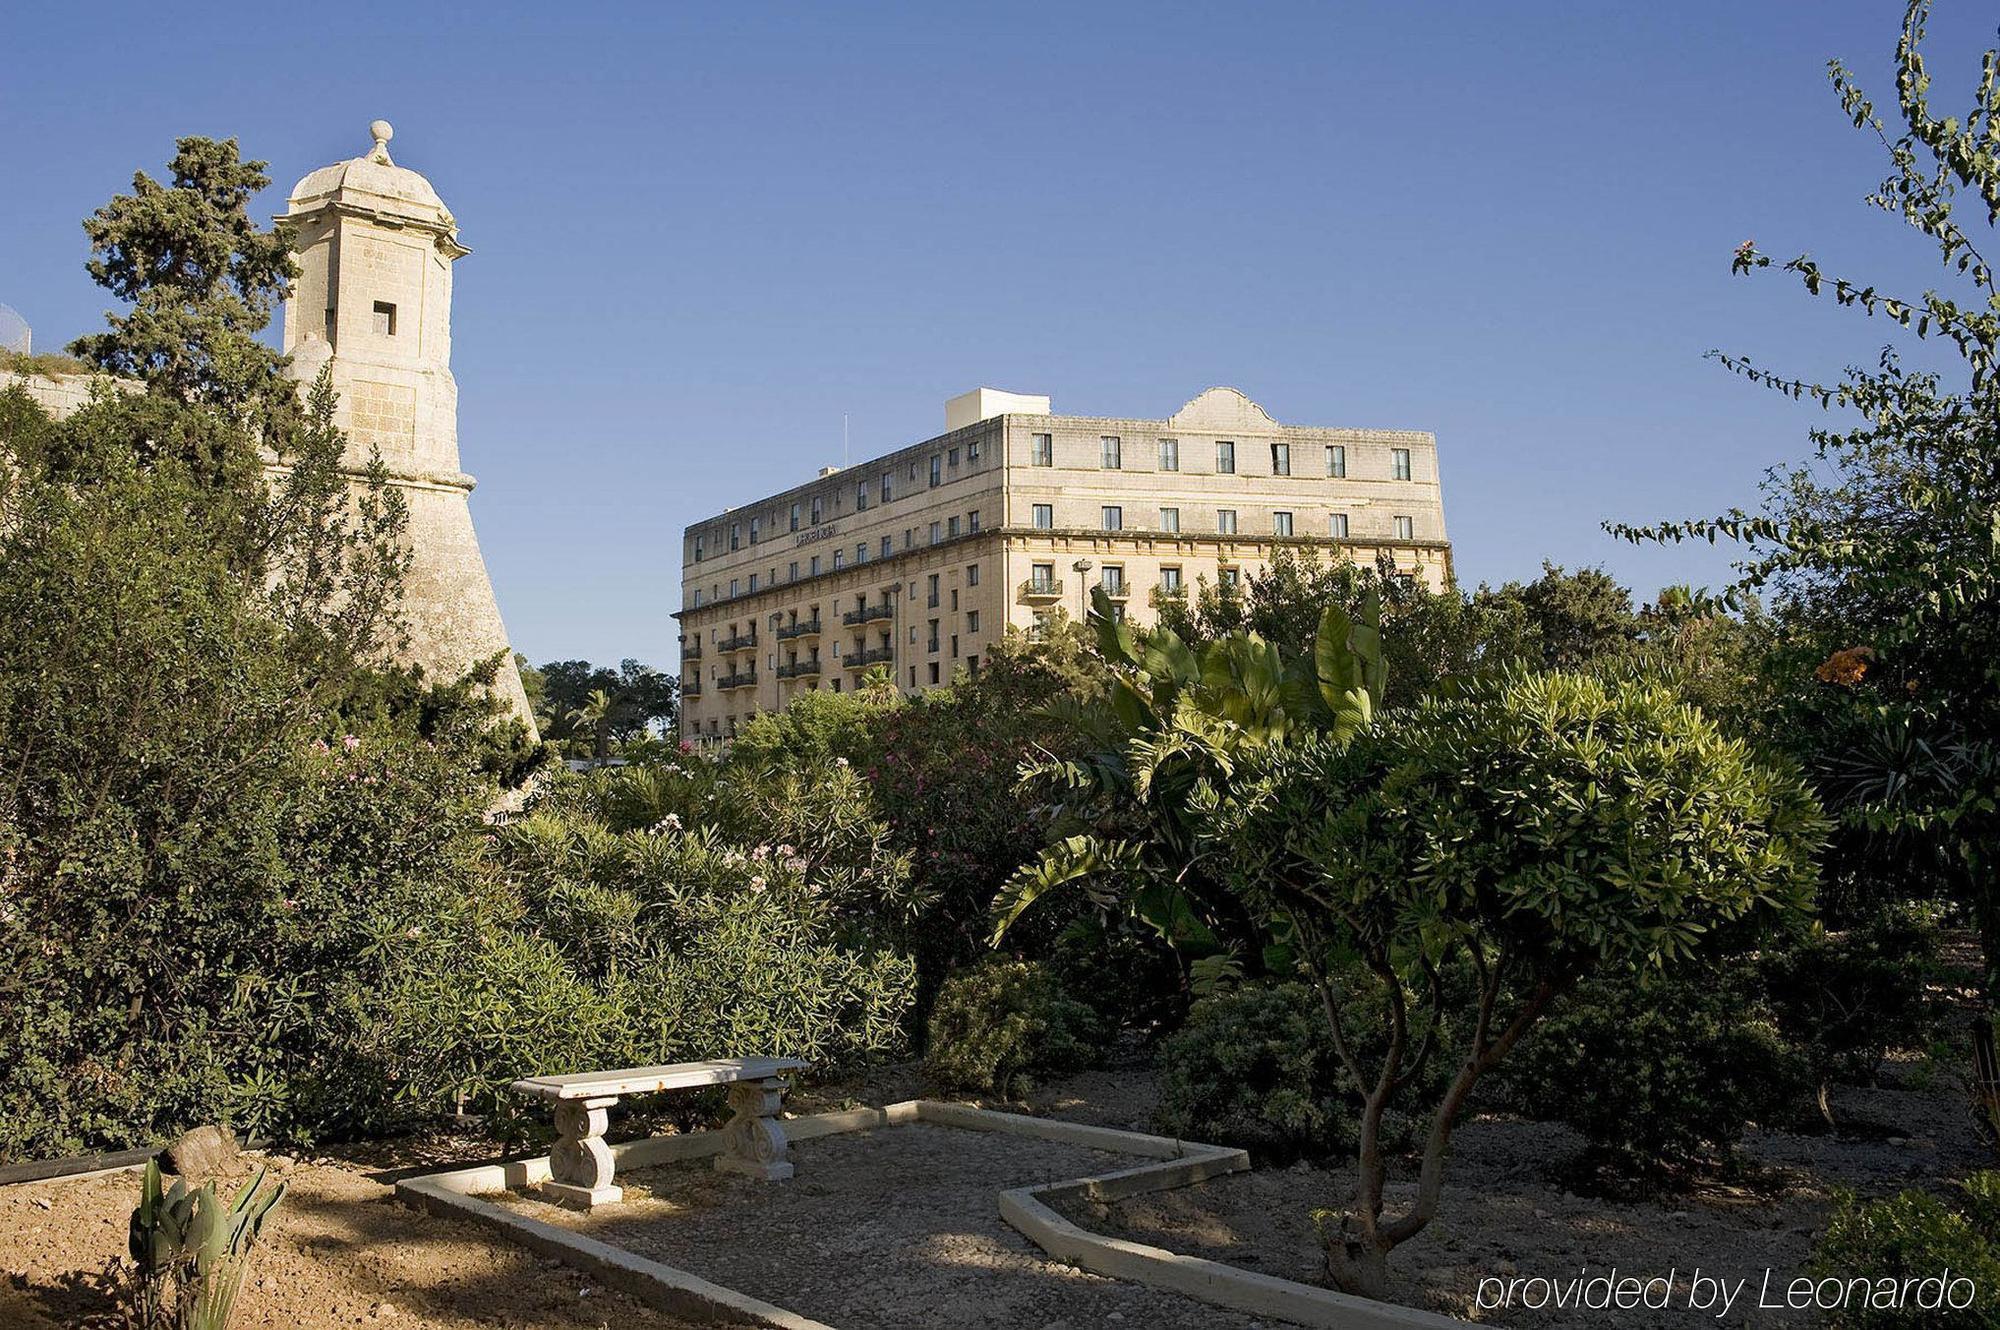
[919,561]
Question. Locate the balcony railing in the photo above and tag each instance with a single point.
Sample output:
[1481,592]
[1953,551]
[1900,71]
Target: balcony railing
[803,628]
[868,614]
[799,669]
[740,642]
[861,660]
[740,679]
[690,686]
[691,650]
[1116,590]
[1042,588]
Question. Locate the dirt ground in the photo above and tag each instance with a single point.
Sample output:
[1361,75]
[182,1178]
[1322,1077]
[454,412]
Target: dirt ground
[336,1252]
[1508,1213]
[895,1229]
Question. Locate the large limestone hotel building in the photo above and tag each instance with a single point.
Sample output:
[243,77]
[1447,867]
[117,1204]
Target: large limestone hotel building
[918,562]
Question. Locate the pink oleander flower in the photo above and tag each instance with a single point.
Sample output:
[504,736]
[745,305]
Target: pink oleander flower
[350,742]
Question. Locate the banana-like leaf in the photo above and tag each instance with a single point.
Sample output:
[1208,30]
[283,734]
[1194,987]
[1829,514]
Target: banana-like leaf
[1114,638]
[1073,859]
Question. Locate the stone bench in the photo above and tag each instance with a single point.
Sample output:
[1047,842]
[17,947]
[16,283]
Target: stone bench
[580,1162]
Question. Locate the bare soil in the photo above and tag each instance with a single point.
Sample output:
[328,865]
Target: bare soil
[336,1252]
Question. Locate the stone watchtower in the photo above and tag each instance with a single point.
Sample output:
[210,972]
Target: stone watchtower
[372,301]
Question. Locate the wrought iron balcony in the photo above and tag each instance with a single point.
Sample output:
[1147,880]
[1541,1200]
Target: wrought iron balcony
[740,679]
[740,642]
[691,650]
[803,628]
[868,614]
[1042,588]
[1116,591]
[800,669]
[861,660]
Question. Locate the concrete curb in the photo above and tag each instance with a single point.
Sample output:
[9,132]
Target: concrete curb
[1175,1163]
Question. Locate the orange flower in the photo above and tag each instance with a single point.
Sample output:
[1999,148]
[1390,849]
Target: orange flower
[1846,667]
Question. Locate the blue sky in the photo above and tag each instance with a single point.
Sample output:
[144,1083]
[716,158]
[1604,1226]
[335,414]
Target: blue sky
[701,234]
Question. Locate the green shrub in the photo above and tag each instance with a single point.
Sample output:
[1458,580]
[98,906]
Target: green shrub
[1915,1235]
[1001,1024]
[1252,1068]
[1658,1076]
[1846,1000]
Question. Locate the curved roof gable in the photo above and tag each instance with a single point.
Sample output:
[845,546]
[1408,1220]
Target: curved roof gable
[1225,410]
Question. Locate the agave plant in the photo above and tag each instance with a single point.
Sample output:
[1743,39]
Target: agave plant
[191,1252]
[1173,727]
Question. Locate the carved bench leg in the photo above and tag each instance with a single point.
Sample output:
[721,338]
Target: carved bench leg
[753,1142]
[580,1161]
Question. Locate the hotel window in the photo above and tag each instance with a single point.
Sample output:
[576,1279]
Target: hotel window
[697,597]
[954,646]
[1336,461]
[861,552]
[756,526]
[1399,462]
[813,567]
[934,533]
[1112,578]
[888,486]
[1406,528]
[753,584]
[932,643]
[1041,577]
[1225,458]
[1042,451]
[953,460]
[887,546]
[934,665]
[1170,454]
[972,574]
[1281,524]
[819,509]
[1336,525]
[1228,578]
[795,517]
[951,526]
[1170,580]
[1281,459]
[861,497]
[700,545]
[1111,517]
[931,587]
[385,319]
[1045,517]
[792,574]
[972,452]
[840,558]
[1170,519]
[1225,521]
[1108,454]
[735,535]
[972,621]
[735,586]
[937,468]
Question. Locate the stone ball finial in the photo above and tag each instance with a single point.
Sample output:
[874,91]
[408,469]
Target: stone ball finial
[382,131]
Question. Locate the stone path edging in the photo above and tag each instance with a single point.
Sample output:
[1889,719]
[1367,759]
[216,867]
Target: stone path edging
[1174,1163]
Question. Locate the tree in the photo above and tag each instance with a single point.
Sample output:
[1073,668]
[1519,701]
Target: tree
[1532,830]
[640,699]
[1882,548]
[1176,723]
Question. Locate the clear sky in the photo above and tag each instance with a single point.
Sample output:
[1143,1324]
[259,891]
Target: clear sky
[702,234]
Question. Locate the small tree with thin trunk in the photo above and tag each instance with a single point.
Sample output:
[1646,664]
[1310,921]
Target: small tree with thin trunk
[1530,831]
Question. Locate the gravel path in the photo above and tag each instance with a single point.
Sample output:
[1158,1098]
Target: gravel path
[894,1229]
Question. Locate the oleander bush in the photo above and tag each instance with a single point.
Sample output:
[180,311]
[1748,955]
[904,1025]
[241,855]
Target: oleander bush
[1915,1235]
[1661,1076]
[1253,1068]
[1001,1025]
[1847,1000]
